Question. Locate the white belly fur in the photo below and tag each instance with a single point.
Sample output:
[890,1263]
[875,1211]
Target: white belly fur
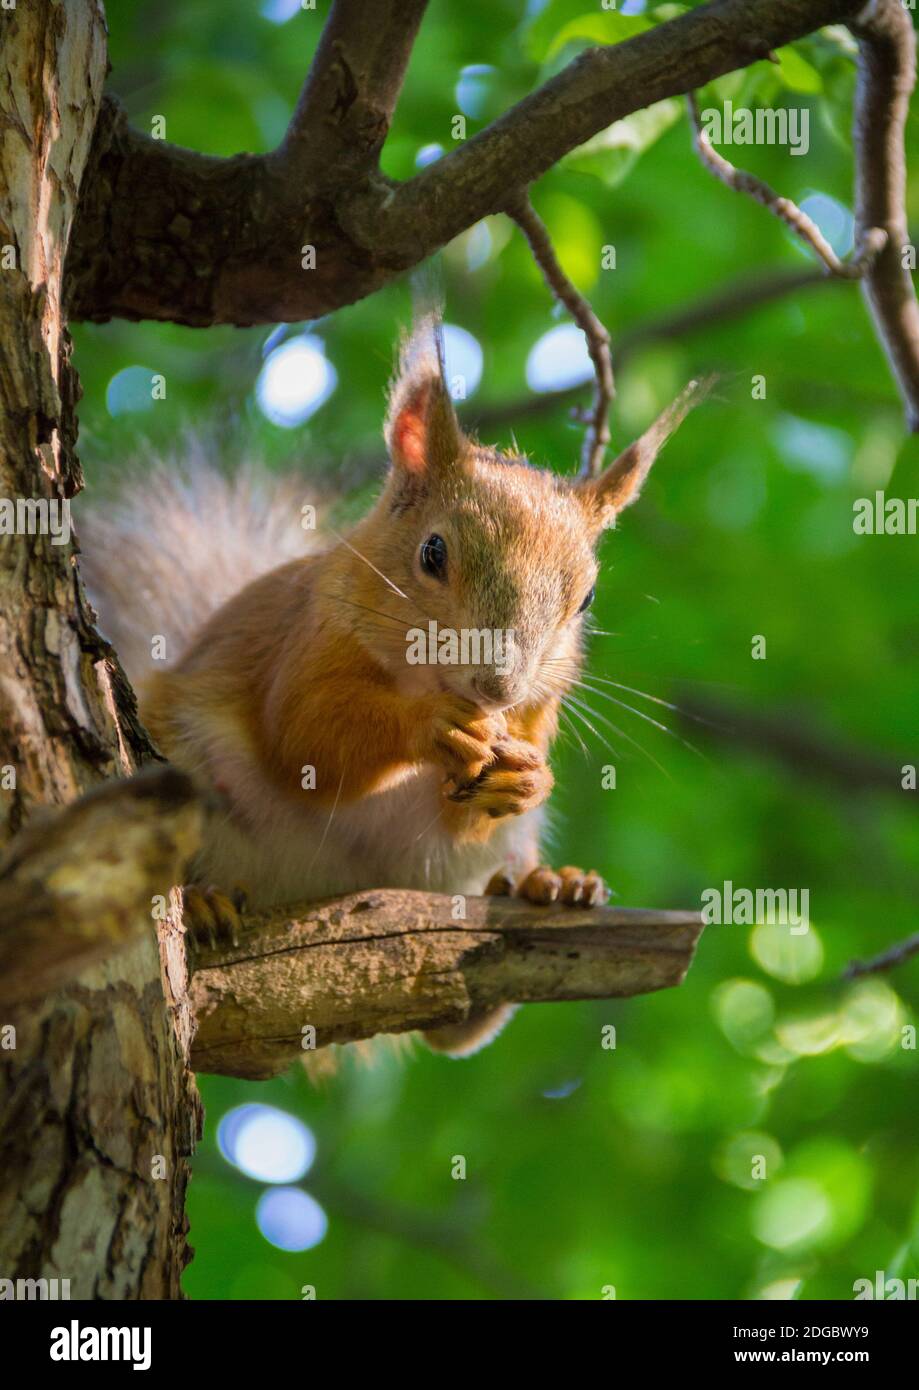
[283,853]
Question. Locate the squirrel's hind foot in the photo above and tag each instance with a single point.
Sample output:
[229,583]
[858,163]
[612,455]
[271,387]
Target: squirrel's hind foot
[543,885]
[213,917]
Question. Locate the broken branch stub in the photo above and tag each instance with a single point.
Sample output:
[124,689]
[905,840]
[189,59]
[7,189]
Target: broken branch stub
[78,885]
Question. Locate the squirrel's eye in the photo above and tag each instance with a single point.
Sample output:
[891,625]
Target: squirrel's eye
[588,598]
[434,557]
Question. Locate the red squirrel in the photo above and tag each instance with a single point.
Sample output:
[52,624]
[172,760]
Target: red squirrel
[427,775]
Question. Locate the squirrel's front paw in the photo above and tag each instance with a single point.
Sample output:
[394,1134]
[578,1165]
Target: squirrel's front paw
[569,885]
[460,737]
[518,780]
[211,915]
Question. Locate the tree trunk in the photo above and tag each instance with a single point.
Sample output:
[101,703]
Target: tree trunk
[98,1110]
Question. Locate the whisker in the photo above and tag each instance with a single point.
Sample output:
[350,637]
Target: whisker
[338,598]
[571,727]
[573,671]
[328,825]
[427,827]
[632,690]
[574,713]
[354,551]
[622,734]
[640,714]
[395,588]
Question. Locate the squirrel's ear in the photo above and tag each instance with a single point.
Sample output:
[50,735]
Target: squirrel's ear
[422,431]
[620,484]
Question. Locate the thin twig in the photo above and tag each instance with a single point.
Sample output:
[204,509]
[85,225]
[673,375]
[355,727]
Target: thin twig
[521,210]
[729,301]
[893,956]
[872,240]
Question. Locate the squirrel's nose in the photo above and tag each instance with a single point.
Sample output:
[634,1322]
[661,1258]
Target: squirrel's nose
[497,690]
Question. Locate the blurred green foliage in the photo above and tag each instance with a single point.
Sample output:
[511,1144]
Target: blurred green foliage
[629,1167]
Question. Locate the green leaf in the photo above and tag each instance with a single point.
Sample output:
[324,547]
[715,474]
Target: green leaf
[797,73]
[611,154]
[565,21]
[606,28]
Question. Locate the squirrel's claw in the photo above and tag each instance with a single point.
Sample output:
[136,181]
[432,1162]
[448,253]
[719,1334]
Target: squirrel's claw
[211,915]
[461,738]
[500,885]
[569,885]
[518,780]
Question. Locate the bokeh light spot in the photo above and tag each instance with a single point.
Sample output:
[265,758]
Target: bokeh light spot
[462,360]
[744,1010]
[809,447]
[834,220]
[787,954]
[474,89]
[428,154]
[290,1218]
[266,1143]
[792,1213]
[279,11]
[130,390]
[559,359]
[296,379]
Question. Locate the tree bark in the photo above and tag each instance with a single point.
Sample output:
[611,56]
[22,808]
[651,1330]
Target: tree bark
[79,887]
[394,960]
[98,1110]
[223,239]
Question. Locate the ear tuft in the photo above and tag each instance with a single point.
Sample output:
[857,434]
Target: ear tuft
[620,484]
[422,431]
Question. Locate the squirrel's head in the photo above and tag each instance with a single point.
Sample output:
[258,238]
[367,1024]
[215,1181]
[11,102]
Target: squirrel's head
[498,555]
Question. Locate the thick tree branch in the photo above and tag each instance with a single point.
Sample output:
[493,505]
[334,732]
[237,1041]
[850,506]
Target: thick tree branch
[168,234]
[77,886]
[886,77]
[602,85]
[82,884]
[390,961]
[347,104]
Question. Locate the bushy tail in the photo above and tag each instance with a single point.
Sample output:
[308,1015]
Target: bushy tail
[180,539]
